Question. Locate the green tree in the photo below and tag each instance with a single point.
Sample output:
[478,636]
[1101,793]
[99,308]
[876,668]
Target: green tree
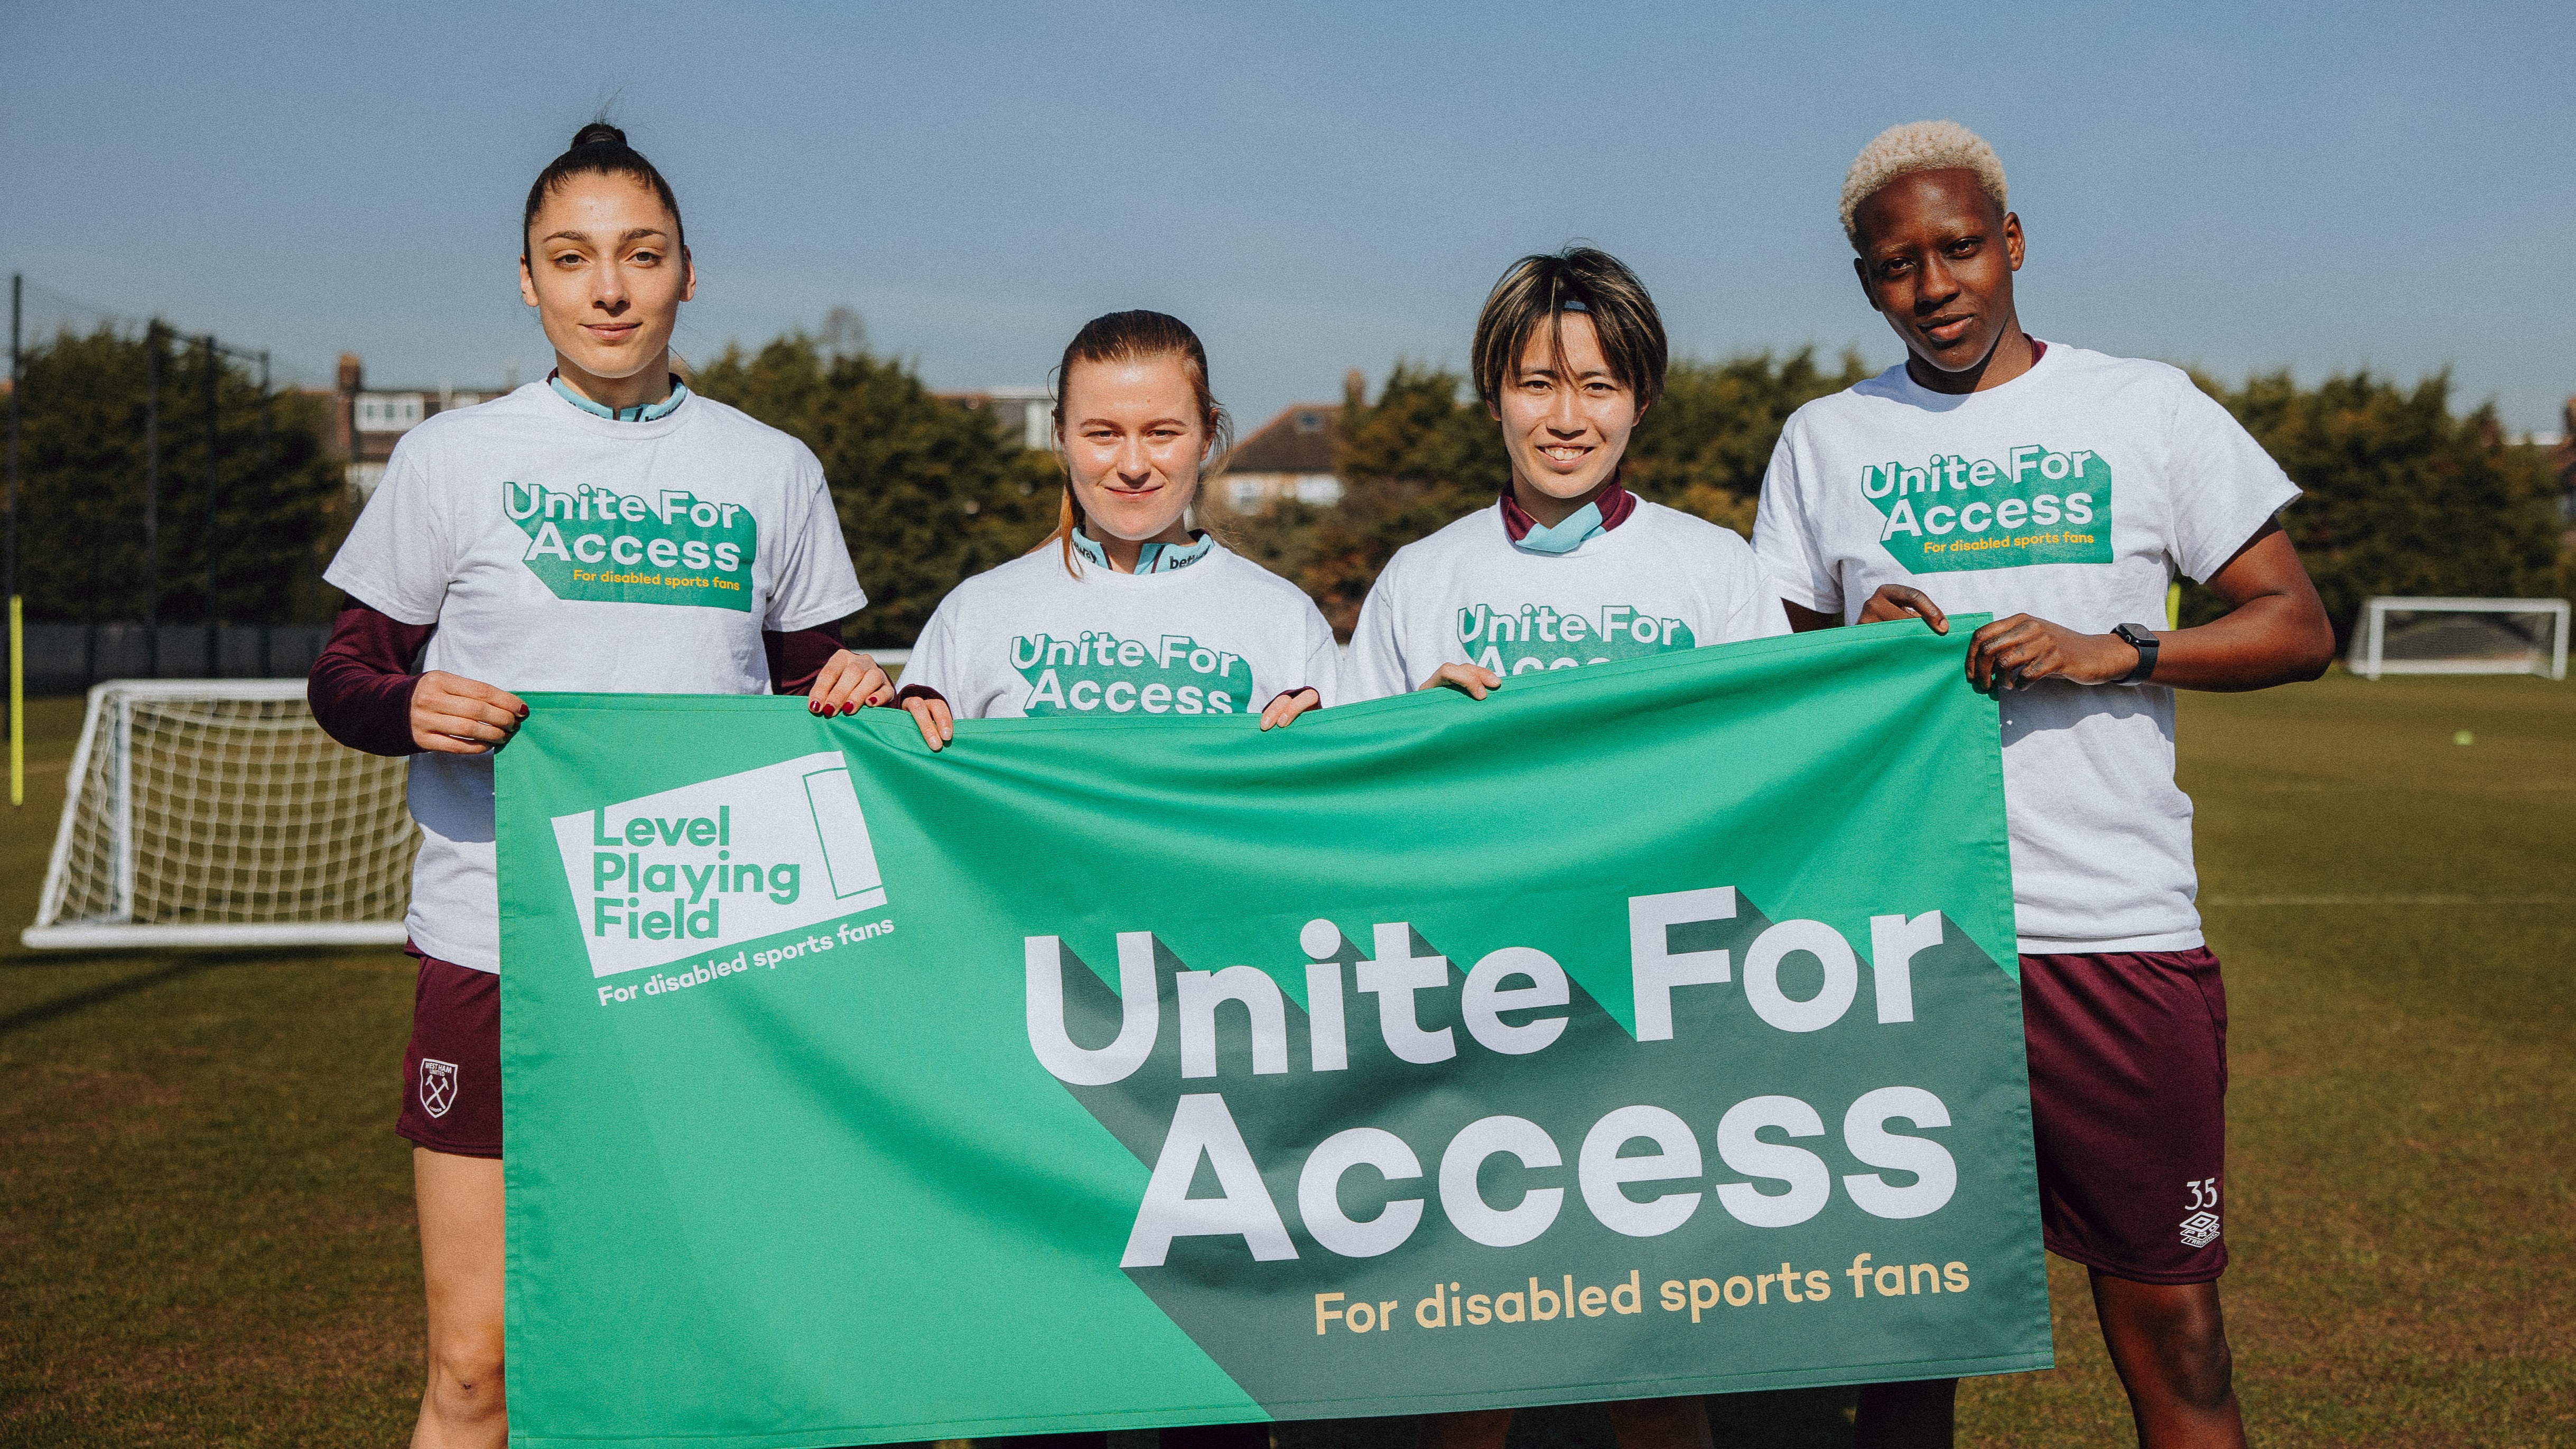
[2399,496]
[2402,497]
[1416,459]
[282,501]
[1703,446]
[928,492]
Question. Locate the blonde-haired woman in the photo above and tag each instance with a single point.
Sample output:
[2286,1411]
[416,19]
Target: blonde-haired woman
[1125,612]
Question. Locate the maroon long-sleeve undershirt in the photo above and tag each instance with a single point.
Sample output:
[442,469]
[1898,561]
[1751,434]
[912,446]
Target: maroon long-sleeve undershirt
[361,684]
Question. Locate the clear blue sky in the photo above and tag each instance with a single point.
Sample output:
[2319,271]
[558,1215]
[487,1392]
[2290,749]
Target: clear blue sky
[1314,188]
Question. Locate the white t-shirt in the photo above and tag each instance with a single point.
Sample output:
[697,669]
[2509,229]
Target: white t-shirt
[557,550]
[2073,493]
[1661,580]
[1029,640]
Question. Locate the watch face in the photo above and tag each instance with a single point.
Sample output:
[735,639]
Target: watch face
[2145,643]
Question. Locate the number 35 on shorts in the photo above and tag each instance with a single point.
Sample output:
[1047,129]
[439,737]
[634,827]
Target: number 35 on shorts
[2204,1194]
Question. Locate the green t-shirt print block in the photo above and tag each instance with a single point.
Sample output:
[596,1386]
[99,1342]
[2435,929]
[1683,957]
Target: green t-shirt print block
[2034,505]
[1095,672]
[1517,639]
[601,546]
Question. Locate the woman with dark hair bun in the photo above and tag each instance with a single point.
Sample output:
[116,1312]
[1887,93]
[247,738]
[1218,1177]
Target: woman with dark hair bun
[603,530]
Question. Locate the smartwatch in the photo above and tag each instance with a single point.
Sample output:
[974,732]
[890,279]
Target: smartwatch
[2145,643]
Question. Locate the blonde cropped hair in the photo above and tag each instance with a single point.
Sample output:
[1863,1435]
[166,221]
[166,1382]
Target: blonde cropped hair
[1919,146]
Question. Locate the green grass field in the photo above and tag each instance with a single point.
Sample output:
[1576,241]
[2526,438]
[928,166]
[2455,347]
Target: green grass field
[205,1220]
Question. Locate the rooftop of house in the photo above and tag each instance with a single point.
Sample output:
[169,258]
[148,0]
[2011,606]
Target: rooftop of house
[1299,440]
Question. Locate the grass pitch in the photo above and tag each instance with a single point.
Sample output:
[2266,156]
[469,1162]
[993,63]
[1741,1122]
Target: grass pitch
[206,1220]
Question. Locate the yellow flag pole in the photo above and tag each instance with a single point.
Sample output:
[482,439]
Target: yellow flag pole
[17,702]
[9,566]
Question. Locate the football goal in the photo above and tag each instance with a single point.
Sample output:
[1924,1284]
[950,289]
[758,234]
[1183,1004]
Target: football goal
[216,813]
[2460,636]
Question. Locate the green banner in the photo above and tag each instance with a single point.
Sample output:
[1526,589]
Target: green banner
[1644,1029]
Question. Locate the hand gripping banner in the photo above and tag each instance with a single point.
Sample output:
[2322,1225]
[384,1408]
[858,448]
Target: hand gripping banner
[1644,1029]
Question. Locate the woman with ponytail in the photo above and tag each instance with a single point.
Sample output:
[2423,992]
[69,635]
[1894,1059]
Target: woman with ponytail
[1125,611]
[601,531]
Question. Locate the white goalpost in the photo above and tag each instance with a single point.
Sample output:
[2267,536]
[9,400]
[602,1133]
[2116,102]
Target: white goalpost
[2460,636]
[216,812]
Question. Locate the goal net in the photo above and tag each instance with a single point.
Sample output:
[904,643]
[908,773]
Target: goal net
[217,813]
[2460,636]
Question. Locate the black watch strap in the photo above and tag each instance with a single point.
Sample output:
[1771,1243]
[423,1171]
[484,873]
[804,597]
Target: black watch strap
[2145,643]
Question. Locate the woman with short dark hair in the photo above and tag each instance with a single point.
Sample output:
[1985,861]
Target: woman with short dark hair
[1567,568]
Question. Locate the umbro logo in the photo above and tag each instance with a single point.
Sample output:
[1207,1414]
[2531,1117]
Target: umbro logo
[437,1086]
[2200,1230]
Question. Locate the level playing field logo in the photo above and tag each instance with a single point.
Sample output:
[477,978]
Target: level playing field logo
[600,545]
[1096,672]
[2035,505]
[683,878]
[1520,638]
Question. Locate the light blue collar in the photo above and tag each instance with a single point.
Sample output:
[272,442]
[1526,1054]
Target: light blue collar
[1571,533]
[643,414]
[1152,558]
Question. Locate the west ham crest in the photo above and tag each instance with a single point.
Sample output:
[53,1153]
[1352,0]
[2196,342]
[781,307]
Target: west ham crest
[437,1086]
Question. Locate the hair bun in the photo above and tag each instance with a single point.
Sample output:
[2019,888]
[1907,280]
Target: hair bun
[597,133]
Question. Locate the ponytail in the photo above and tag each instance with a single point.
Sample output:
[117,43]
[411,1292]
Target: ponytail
[1132,337]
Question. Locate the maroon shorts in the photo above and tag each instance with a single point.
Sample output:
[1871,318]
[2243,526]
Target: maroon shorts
[2128,1098]
[452,1069]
